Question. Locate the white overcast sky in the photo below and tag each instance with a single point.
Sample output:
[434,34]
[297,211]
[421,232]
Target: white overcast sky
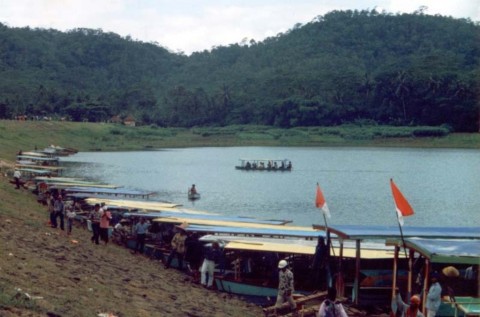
[195,25]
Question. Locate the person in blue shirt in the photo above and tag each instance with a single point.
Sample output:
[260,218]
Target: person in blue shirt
[140,231]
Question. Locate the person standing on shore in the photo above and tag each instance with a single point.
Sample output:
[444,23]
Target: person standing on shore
[285,286]
[212,256]
[105,218]
[434,296]
[95,216]
[59,209]
[194,255]
[51,211]
[140,231]
[71,214]
[178,246]
[16,176]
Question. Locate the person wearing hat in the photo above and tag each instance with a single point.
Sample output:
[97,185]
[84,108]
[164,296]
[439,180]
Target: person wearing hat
[402,309]
[285,286]
[433,296]
[178,246]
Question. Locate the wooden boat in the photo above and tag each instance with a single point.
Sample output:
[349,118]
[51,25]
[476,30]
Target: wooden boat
[438,253]
[365,291]
[264,165]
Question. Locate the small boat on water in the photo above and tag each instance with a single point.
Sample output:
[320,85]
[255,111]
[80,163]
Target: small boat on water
[284,165]
[193,196]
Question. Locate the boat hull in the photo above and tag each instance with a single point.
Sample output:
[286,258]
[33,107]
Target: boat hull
[279,169]
[240,288]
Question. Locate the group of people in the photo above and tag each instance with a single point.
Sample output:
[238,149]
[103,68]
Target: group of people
[271,165]
[332,307]
[100,218]
[185,246]
[59,211]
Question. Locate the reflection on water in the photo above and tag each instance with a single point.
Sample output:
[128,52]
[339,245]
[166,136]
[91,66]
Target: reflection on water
[442,186]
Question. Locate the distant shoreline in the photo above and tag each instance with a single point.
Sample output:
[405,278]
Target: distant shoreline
[84,136]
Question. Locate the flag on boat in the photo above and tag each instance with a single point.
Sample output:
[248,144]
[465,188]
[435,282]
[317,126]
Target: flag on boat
[401,204]
[321,203]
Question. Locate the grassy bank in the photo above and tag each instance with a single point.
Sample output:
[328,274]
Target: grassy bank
[15,135]
[83,279]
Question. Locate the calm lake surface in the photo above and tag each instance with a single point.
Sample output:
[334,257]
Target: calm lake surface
[442,185]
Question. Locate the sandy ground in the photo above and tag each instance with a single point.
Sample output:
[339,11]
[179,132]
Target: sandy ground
[84,279]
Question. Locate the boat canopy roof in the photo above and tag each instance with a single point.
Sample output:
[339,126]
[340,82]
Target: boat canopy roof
[81,184]
[35,171]
[37,158]
[361,232]
[212,218]
[453,251]
[33,164]
[280,231]
[263,160]
[133,204]
[219,223]
[108,191]
[33,153]
[294,245]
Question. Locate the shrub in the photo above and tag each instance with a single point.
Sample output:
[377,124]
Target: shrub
[430,132]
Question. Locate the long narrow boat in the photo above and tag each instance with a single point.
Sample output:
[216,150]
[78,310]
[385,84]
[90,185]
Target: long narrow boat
[366,292]
[41,159]
[270,165]
[42,167]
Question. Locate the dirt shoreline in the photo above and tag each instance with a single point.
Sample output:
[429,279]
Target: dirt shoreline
[84,279]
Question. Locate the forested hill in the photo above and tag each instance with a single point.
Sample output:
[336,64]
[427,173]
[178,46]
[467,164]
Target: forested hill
[345,66]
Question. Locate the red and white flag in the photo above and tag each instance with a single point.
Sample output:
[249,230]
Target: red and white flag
[321,203]
[401,204]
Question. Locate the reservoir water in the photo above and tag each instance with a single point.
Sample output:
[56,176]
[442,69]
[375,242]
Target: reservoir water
[442,185]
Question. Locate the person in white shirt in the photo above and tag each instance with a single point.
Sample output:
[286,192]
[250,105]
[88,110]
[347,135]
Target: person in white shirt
[434,296]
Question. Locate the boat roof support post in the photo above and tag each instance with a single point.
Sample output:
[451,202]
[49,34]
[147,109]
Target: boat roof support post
[411,254]
[340,280]
[356,284]
[395,269]
[425,285]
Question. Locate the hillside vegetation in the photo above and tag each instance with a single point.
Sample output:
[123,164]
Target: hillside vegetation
[343,67]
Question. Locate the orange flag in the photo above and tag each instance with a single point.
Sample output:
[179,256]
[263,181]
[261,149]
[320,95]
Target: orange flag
[401,204]
[320,202]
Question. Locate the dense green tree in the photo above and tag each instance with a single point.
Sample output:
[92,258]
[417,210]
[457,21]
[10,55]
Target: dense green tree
[342,67]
